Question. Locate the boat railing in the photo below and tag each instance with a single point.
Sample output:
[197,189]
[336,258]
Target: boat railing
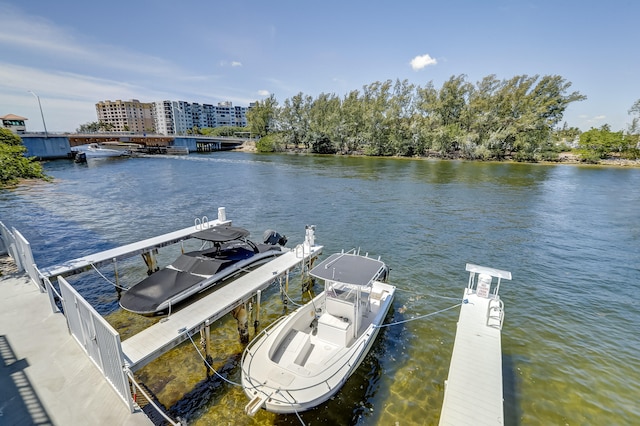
[257,338]
[349,363]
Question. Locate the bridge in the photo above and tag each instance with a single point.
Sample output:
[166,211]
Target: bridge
[52,146]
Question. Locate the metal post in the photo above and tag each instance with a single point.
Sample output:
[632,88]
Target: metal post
[286,282]
[41,114]
[256,323]
[115,271]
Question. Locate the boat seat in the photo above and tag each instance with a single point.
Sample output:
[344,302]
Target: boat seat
[340,308]
[336,330]
[296,350]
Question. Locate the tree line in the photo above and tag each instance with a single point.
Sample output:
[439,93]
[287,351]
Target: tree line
[516,118]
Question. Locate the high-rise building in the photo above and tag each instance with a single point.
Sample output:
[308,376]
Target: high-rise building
[162,113]
[126,116]
[170,117]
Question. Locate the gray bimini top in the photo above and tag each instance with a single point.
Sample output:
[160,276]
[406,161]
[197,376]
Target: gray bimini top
[349,269]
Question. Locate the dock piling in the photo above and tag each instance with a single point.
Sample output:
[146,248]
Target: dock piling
[240,314]
[150,260]
[256,322]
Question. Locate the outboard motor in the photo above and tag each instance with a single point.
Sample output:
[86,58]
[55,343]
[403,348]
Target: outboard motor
[273,238]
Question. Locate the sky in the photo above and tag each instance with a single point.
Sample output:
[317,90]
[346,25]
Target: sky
[72,54]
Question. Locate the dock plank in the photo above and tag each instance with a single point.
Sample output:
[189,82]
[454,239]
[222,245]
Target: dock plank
[142,348]
[473,391]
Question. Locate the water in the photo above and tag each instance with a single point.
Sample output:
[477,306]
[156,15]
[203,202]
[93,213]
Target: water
[569,234]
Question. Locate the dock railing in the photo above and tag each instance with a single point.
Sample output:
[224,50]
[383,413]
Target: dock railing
[19,249]
[100,341]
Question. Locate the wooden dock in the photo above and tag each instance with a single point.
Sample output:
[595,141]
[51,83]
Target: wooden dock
[473,391]
[154,341]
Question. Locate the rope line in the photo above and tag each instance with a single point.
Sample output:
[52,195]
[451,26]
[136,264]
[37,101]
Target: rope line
[209,365]
[404,290]
[107,279]
[419,317]
[150,400]
[288,298]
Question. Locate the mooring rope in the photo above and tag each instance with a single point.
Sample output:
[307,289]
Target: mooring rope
[404,290]
[288,298]
[209,365]
[150,400]
[107,279]
[224,378]
[419,317]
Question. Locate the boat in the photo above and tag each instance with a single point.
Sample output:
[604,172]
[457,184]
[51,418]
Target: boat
[95,150]
[304,358]
[229,252]
[79,157]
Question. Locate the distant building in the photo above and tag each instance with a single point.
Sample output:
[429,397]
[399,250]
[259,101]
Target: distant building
[162,113]
[126,116]
[13,122]
[180,117]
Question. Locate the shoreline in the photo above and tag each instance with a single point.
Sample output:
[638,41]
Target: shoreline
[563,158]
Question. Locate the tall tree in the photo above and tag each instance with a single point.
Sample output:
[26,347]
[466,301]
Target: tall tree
[634,111]
[261,117]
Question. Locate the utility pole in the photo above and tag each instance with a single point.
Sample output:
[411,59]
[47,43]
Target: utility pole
[41,114]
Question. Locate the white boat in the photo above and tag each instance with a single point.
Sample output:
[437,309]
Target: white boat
[304,358]
[95,150]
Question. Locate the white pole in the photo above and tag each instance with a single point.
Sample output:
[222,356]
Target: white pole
[41,114]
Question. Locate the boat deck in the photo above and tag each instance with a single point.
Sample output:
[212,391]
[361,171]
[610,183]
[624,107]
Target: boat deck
[473,390]
[152,342]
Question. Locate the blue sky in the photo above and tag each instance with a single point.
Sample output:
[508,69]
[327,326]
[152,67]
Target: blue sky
[73,54]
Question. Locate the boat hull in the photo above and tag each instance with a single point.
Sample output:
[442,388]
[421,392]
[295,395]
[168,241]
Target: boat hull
[293,367]
[97,151]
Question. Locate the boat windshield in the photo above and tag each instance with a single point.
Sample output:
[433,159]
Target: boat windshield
[342,291]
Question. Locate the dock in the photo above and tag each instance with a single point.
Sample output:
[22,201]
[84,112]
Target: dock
[144,347]
[473,390]
[97,341]
[85,263]
[46,378]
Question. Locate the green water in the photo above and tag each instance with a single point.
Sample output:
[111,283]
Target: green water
[569,234]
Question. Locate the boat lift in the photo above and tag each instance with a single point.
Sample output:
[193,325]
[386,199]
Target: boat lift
[241,298]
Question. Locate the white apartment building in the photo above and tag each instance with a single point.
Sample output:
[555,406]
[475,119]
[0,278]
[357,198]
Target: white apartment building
[180,117]
[169,117]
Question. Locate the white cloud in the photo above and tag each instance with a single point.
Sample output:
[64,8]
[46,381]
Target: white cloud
[236,64]
[423,61]
[263,92]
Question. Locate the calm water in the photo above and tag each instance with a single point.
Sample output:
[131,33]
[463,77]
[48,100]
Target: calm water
[570,235]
